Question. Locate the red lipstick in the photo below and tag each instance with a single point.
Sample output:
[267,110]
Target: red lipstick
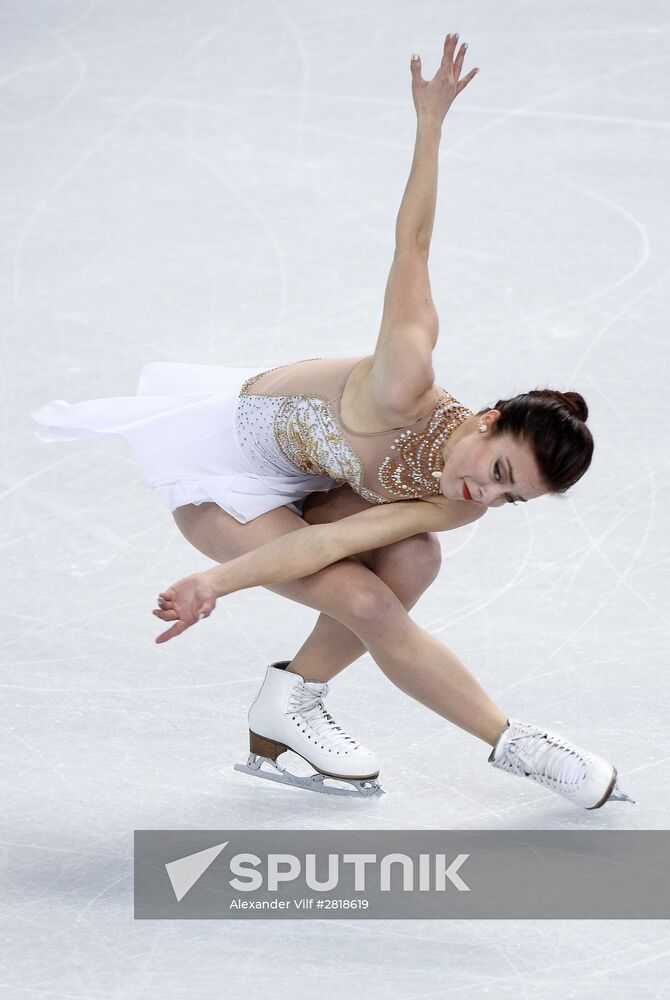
[466,492]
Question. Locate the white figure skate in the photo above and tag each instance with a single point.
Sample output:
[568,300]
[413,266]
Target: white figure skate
[581,776]
[288,714]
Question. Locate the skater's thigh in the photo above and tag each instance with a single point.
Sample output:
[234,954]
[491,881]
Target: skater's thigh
[345,590]
[220,536]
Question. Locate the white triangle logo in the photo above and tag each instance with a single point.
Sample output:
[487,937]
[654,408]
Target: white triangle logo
[185,872]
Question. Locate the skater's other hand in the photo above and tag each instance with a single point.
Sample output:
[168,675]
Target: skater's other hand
[185,603]
[433,98]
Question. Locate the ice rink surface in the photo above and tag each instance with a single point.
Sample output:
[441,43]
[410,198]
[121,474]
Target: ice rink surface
[218,183]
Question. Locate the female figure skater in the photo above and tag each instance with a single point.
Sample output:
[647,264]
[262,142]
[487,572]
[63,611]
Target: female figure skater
[252,465]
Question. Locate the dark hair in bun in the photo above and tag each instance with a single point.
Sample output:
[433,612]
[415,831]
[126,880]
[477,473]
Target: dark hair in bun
[573,400]
[553,423]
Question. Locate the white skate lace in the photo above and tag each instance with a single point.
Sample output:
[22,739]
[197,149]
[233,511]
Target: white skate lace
[551,760]
[307,702]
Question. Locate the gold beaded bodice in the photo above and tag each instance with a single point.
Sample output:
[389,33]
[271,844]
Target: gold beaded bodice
[288,431]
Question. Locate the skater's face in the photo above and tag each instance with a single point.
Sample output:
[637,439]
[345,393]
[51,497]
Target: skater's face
[494,470]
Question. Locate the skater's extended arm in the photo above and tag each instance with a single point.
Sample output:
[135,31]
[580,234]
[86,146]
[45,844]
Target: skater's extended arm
[305,551]
[402,377]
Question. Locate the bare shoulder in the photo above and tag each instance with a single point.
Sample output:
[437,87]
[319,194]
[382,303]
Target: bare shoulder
[365,408]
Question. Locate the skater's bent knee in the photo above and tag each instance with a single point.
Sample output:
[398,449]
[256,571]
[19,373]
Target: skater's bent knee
[372,608]
[351,587]
[348,591]
[426,549]
[418,557]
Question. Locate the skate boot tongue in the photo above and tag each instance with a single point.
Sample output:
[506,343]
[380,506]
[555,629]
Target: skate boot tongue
[317,687]
[308,702]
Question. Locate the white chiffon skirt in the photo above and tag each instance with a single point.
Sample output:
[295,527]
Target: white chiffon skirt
[181,428]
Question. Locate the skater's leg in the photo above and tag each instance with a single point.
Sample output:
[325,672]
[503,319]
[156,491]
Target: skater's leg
[407,567]
[412,659]
[415,661]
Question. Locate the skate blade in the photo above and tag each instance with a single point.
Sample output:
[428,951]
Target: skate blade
[618,795]
[363,788]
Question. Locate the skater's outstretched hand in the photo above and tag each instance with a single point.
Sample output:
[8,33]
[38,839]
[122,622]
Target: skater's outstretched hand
[433,98]
[185,603]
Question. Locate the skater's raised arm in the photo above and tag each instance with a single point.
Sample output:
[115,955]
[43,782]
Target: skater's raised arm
[305,551]
[402,377]
[432,100]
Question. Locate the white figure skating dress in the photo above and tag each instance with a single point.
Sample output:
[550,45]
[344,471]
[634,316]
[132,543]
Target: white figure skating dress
[252,441]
